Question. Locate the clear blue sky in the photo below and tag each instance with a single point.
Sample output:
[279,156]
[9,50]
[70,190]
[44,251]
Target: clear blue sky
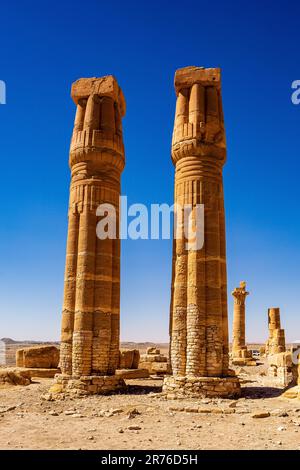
[45,46]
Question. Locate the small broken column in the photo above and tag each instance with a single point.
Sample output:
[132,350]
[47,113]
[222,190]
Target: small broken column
[155,362]
[276,340]
[294,392]
[239,348]
[199,347]
[90,333]
[282,368]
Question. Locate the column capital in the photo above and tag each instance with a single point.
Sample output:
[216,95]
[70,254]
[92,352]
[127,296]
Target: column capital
[199,122]
[240,293]
[97,135]
[101,86]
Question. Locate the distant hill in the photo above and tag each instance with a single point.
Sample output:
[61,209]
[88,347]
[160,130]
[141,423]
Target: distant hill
[12,341]
[124,344]
[143,346]
[7,340]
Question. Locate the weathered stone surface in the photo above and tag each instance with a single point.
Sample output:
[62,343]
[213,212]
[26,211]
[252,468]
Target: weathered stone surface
[152,350]
[160,368]
[103,86]
[46,357]
[262,414]
[156,368]
[188,76]
[9,348]
[100,385]
[126,359]
[197,387]
[276,340]
[198,318]
[136,359]
[20,358]
[14,377]
[133,373]
[292,393]
[262,351]
[155,362]
[90,320]
[129,359]
[39,372]
[282,368]
[243,362]
[153,358]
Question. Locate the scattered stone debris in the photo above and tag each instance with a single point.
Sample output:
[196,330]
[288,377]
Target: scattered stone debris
[14,377]
[134,428]
[132,413]
[261,415]
[199,409]
[5,409]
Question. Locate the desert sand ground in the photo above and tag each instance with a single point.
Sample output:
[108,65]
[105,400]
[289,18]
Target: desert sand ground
[141,419]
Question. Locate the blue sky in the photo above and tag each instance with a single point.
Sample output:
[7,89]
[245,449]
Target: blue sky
[45,46]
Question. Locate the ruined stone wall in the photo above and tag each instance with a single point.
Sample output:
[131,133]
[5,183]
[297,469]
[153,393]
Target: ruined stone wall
[46,357]
[155,362]
[129,359]
[8,350]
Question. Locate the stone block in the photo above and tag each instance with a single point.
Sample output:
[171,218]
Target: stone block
[43,357]
[152,350]
[187,76]
[14,377]
[136,359]
[126,359]
[103,86]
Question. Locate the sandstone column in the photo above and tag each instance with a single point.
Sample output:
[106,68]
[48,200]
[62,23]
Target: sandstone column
[90,321]
[239,348]
[276,341]
[198,319]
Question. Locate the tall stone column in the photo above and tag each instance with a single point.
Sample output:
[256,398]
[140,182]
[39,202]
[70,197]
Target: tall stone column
[199,347]
[91,312]
[276,340]
[239,325]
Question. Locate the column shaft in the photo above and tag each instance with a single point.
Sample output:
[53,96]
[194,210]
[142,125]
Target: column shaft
[82,337]
[179,301]
[69,295]
[196,298]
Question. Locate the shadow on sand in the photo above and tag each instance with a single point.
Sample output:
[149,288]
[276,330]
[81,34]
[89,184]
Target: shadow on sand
[261,392]
[143,389]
